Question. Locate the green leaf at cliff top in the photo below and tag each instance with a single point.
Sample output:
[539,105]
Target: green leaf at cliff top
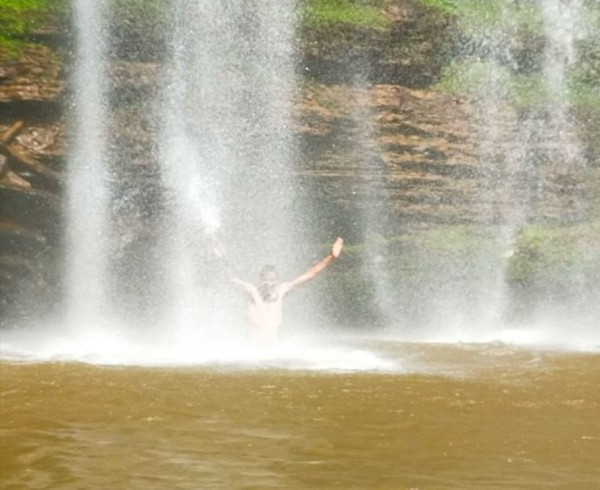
[19,17]
[483,16]
[365,13]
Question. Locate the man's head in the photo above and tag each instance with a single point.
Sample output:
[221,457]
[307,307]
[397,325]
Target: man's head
[268,283]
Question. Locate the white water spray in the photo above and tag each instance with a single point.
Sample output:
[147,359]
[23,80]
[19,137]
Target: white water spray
[88,192]
[562,22]
[226,156]
[531,146]
[227,163]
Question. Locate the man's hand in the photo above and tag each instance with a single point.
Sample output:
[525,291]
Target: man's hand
[336,249]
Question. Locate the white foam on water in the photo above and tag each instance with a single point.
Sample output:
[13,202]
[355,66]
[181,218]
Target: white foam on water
[547,338]
[105,347]
[539,335]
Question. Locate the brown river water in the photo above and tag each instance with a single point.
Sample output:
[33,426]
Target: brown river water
[486,416]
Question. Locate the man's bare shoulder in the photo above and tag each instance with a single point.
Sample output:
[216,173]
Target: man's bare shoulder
[285,287]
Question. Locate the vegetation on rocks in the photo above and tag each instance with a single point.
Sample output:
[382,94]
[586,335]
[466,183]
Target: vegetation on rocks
[365,13]
[500,44]
[544,254]
[544,263]
[475,17]
[20,18]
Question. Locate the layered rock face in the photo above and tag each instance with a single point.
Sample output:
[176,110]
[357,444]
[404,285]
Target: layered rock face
[422,154]
[408,153]
[32,148]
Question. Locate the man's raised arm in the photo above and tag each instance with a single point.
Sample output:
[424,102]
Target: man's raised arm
[336,249]
[248,288]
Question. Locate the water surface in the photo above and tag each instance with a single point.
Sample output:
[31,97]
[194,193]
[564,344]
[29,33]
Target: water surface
[429,417]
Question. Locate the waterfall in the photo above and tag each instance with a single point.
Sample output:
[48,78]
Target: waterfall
[88,190]
[226,156]
[225,175]
[531,151]
[523,156]
[561,20]
[577,309]
[510,178]
[227,152]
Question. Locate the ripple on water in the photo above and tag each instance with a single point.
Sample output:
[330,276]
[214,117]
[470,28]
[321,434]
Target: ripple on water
[508,424]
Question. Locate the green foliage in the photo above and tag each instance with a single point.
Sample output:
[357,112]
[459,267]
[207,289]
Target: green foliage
[366,13]
[545,254]
[448,7]
[408,263]
[474,76]
[492,79]
[590,23]
[486,17]
[450,239]
[543,258]
[18,18]
[492,24]
[522,90]
[585,77]
[585,95]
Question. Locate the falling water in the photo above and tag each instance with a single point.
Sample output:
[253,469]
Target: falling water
[561,24]
[227,153]
[530,150]
[520,154]
[227,164]
[510,177]
[226,157]
[88,227]
[563,27]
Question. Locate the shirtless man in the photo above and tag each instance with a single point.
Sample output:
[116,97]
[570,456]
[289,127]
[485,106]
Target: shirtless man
[266,300]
